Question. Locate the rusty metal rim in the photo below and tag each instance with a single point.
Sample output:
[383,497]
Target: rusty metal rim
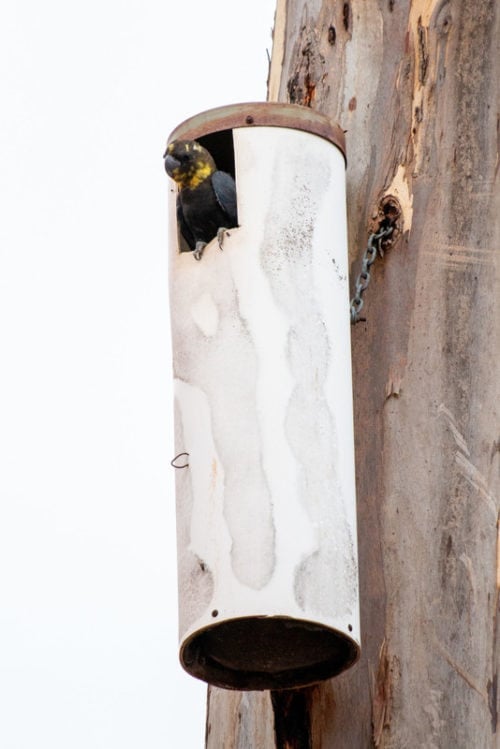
[260,114]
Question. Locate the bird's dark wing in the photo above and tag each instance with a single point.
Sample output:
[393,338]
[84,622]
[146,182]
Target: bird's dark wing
[185,230]
[225,192]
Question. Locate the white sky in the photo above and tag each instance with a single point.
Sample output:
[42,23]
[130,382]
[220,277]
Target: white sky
[88,603]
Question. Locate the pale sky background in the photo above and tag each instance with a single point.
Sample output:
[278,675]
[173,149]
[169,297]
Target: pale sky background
[88,603]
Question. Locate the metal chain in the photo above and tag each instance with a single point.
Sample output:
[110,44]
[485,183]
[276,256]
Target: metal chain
[374,246]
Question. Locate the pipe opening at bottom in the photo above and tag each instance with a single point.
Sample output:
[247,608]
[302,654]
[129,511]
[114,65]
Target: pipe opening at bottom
[267,652]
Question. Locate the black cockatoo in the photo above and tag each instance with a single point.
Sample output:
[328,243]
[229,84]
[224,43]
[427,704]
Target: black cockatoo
[206,202]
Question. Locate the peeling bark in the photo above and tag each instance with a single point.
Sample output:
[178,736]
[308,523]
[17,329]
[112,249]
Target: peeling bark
[416,86]
[381,696]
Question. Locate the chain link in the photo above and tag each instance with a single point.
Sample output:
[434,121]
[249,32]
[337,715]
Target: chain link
[373,248]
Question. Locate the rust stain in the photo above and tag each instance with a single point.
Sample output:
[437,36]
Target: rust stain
[310,93]
[352,104]
[301,86]
[381,697]
[213,474]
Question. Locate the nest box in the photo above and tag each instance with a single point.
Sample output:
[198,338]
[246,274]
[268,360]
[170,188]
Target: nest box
[266,507]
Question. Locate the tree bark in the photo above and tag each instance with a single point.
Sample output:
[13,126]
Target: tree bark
[416,86]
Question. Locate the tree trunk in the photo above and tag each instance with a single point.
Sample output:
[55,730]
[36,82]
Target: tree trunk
[416,86]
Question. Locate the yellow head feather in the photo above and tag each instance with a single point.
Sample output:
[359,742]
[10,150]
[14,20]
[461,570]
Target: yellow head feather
[193,163]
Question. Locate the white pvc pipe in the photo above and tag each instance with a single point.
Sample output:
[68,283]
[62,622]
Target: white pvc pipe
[262,365]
